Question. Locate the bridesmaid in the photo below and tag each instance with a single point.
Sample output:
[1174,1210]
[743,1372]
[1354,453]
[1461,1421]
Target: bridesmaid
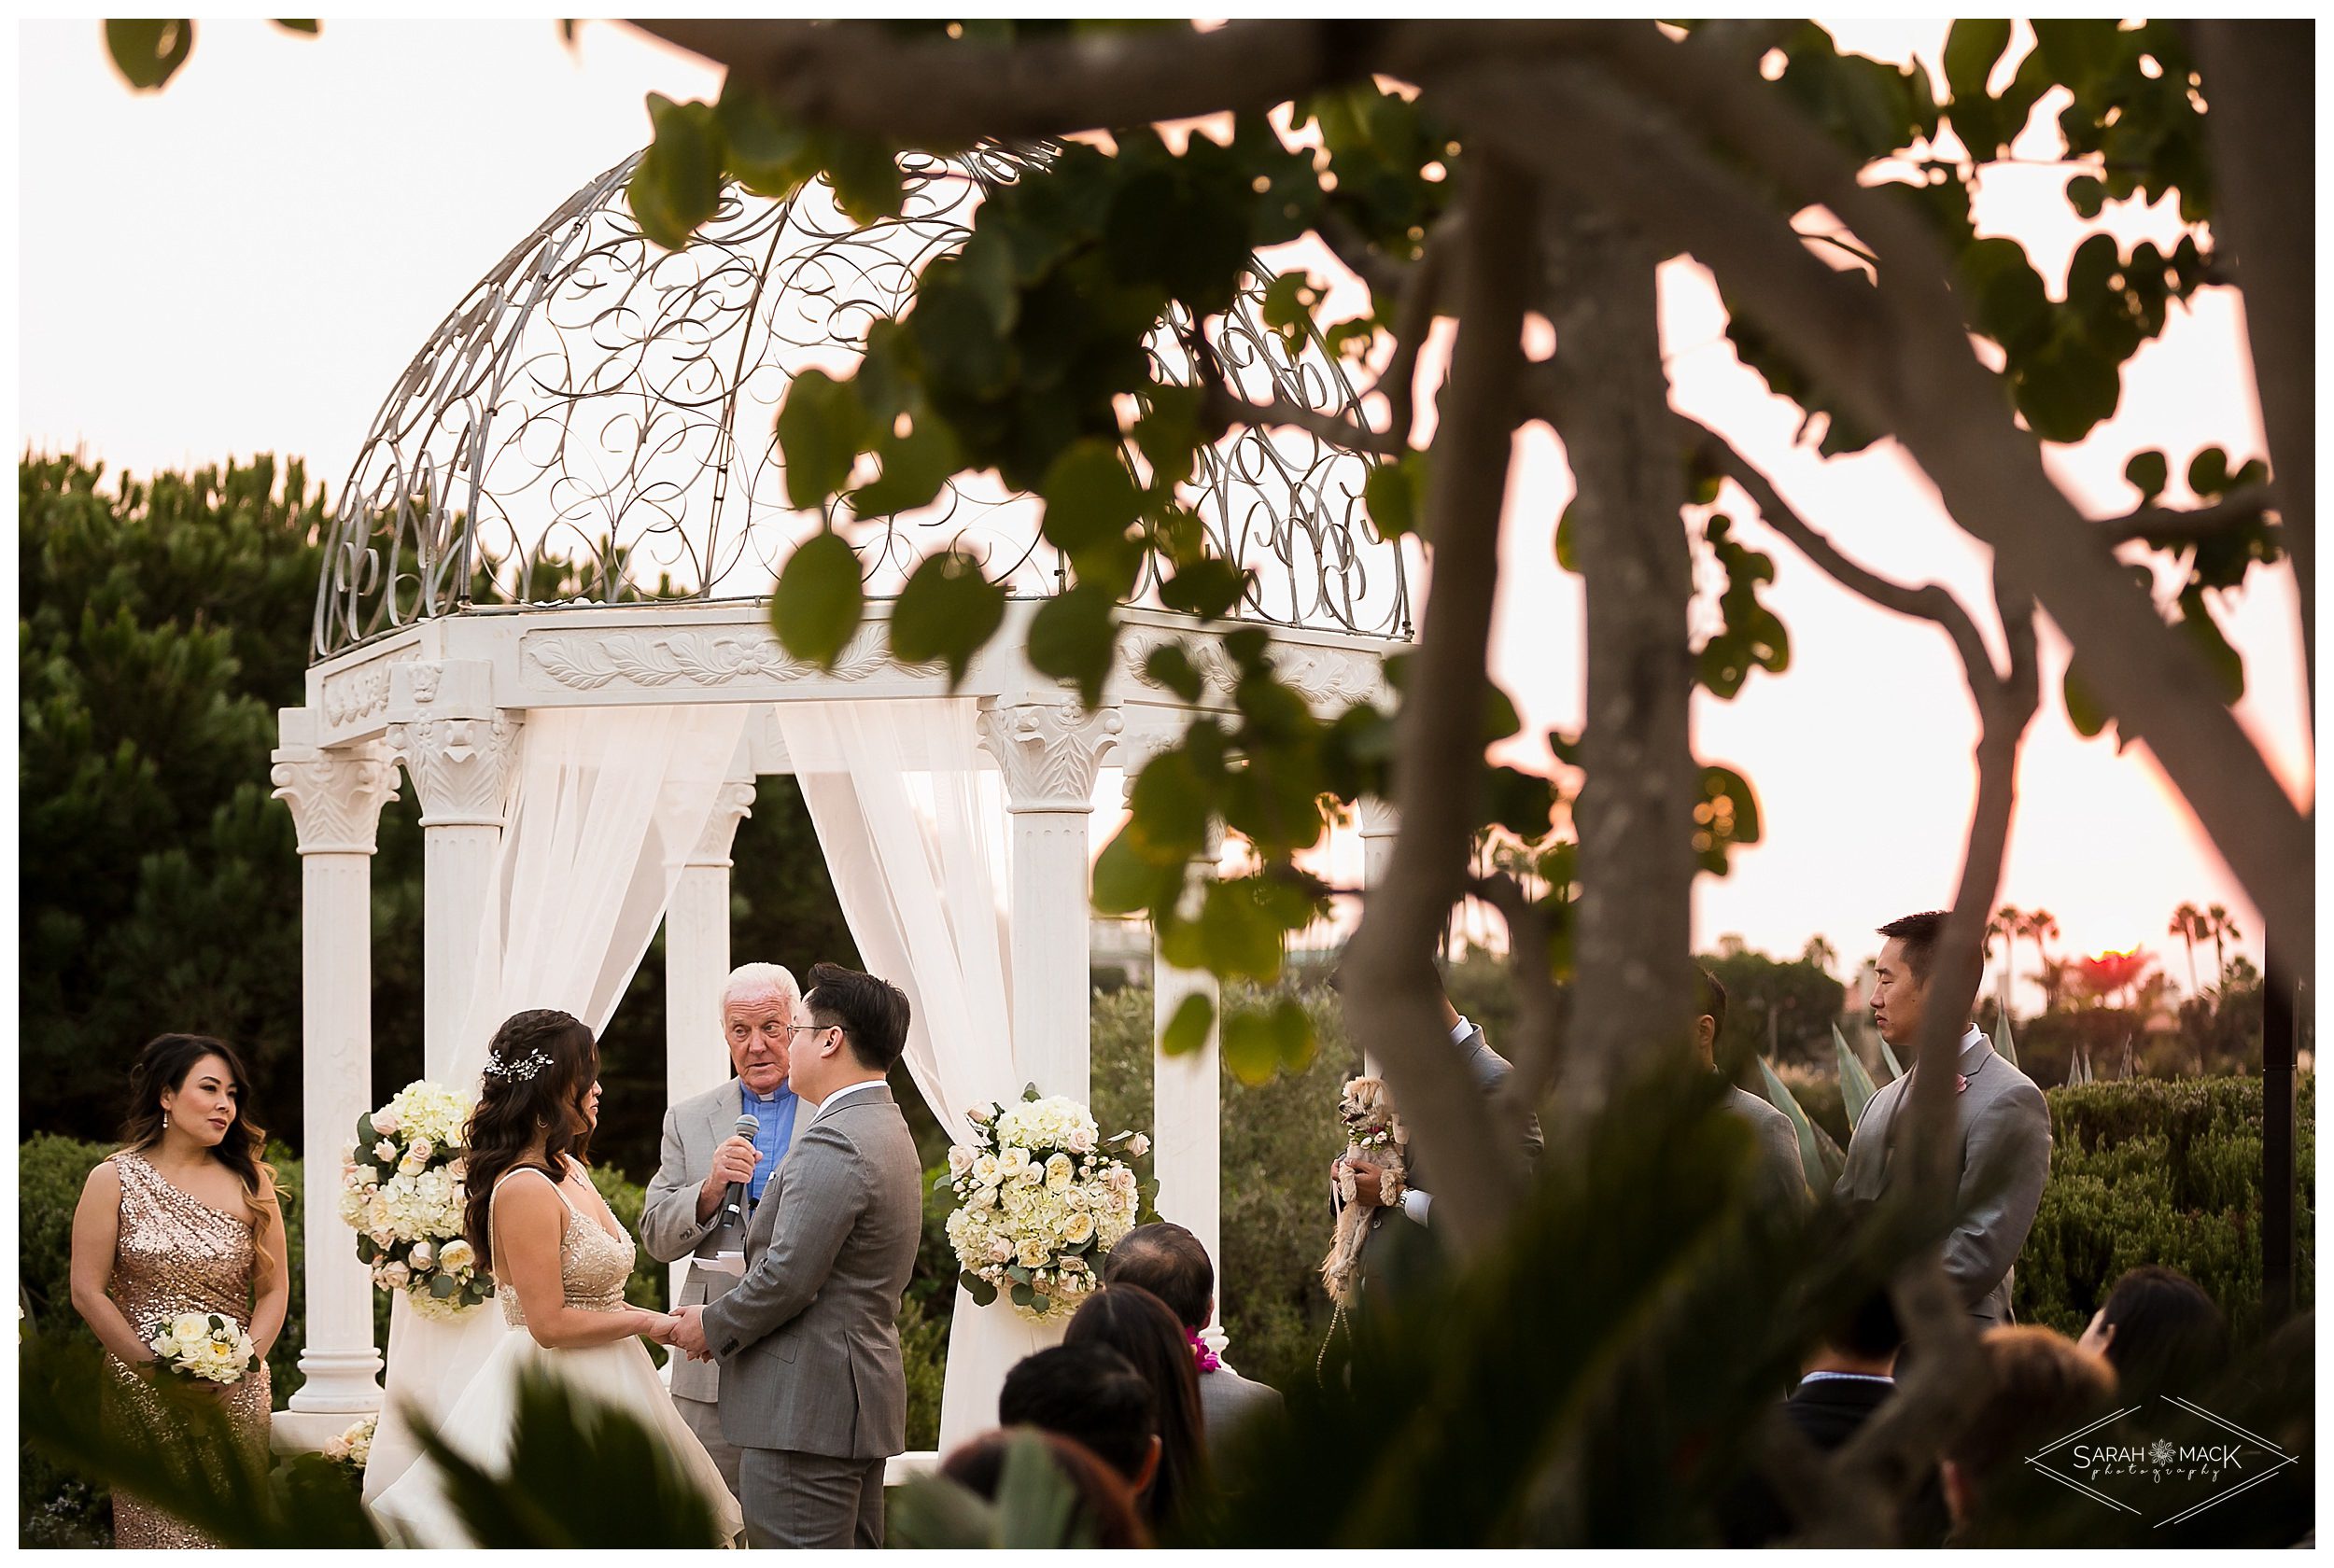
[183,1219]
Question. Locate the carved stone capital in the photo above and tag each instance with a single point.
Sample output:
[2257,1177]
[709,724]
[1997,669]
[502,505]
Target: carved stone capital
[458,766]
[1377,818]
[1049,752]
[335,795]
[732,804]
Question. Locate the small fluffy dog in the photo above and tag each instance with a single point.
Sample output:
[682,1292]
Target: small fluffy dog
[1373,1132]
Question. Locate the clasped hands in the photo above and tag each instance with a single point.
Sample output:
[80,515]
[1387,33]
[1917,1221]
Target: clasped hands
[683,1330]
[1367,1190]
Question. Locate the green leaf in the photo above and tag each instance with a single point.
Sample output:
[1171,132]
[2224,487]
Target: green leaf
[819,601]
[1168,434]
[1567,542]
[1127,881]
[1889,1058]
[770,154]
[149,52]
[306,26]
[1188,1028]
[913,467]
[1071,638]
[864,176]
[2004,1045]
[2006,297]
[1726,817]
[1089,496]
[820,429]
[1036,1502]
[2087,196]
[948,610]
[2084,711]
[1855,1084]
[678,184]
[1820,1158]
[1208,588]
[2204,635]
[2067,388]
[1238,939]
[1394,496]
[1251,1046]
[1170,666]
[1972,47]
[2208,473]
[2148,473]
[1023,1296]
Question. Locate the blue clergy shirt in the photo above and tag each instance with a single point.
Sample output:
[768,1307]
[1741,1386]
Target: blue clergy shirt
[774,1115]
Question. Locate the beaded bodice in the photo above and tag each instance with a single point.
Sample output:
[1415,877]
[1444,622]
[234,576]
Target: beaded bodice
[594,1264]
[176,1253]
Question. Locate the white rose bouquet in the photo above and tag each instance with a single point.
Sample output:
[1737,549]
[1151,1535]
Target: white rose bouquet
[401,1189]
[1040,1200]
[211,1346]
[354,1446]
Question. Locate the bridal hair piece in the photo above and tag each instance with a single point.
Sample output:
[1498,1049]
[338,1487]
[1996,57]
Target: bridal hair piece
[519,1070]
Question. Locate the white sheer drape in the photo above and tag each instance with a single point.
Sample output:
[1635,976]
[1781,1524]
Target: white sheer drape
[912,826]
[604,805]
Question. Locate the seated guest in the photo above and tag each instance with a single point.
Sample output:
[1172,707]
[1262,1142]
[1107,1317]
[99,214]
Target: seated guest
[1851,1374]
[1092,1395]
[2160,1331]
[2045,1386]
[1169,1262]
[1106,1517]
[1139,1326]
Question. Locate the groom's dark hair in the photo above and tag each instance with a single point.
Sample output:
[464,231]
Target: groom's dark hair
[1087,1393]
[873,1013]
[1710,998]
[1169,1262]
[1919,934]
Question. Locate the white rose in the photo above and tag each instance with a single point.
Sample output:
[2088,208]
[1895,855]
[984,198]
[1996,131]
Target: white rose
[1031,1253]
[457,1256]
[187,1328]
[986,1169]
[982,1116]
[1014,1165]
[1080,1228]
[384,1121]
[385,1150]
[166,1347]
[1079,1140]
[1059,1172]
[422,1255]
[458,1171]
[421,1149]
[336,1447]
[396,1275]
[959,1161]
[1138,1146]
[1001,1250]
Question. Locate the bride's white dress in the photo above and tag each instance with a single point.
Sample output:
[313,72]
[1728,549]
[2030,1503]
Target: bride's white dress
[594,1265]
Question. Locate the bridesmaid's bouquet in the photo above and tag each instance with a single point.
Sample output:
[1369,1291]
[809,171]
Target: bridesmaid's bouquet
[354,1446]
[210,1346]
[1040,1200]
[402,1188]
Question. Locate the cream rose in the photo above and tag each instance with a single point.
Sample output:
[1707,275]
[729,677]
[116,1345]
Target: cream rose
[457,1256]
[385,1150]
[1138,1146]
[1080,1228]
[959,1161]
[1059,1172]
[1032,1253]
[423,1254]
[1012,1165]
[188,1327]
[1079,1140]
[384,1121]
[987,1169]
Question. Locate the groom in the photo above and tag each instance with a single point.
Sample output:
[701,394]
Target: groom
[812,1389]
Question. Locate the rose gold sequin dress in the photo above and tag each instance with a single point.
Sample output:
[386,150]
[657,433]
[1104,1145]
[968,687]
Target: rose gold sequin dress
[177,1255]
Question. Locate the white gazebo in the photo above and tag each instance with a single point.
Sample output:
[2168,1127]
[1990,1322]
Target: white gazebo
[544,598]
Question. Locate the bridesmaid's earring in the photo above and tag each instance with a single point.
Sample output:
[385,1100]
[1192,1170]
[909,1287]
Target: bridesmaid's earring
[165,1121]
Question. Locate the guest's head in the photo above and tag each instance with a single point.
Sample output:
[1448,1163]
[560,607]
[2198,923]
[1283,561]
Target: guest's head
[857,1029]
[1709,1005]
[758,1005]
[537,1102]
[1865,1339]
[1140,1327]
[1167,1261]
[2044,1386]
[1105,1516]
[188,1092]
[1092,1393]
[2160,1331]
[1900,990]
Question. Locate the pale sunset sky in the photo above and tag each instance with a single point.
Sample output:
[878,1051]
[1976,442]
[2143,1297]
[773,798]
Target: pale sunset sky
[246,263]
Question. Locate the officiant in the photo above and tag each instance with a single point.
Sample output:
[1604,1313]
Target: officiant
[688,1212]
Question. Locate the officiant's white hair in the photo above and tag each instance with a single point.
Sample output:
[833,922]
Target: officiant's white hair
[762,977]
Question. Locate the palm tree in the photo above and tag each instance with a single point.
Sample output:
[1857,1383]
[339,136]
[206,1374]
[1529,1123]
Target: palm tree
[2043,927]
[1821,953]
[2218,925]
[2188,923]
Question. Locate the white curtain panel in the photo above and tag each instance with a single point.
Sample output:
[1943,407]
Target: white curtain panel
[911,817]
[604,806]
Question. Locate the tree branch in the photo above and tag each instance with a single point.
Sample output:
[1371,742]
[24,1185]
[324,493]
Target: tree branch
[1356,253]
[2191,525]
[1437,771]
[1538,1046]
[1413,319]
[1217,402]
[1901,359]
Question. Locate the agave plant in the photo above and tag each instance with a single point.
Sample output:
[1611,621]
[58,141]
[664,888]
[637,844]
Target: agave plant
[1818,1153]
[1856,1087]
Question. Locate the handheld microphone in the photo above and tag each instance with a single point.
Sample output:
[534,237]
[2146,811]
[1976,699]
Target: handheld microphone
[734,1208]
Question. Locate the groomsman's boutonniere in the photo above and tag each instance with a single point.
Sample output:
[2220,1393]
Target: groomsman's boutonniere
[1961,1083]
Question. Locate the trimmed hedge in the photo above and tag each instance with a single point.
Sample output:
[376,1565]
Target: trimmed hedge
[2169,1171]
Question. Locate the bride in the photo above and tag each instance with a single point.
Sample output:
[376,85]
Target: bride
[560,1260]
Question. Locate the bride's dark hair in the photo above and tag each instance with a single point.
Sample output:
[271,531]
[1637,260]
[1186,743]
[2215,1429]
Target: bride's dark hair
[539,1075]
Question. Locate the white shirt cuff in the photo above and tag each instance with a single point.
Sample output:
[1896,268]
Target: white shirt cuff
[1414,1205]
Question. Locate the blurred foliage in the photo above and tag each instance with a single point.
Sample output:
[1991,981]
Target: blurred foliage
[1776,1008]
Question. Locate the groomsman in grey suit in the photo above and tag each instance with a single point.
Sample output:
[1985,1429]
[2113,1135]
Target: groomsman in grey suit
[1781,1177]
[2003,1127]
[813,1393]
[687,1211]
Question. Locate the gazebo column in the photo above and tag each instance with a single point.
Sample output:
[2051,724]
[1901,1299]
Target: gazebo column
[336,797]
[457,746]
[696,961]
[1049,751]
[1188,1102]
[1378,826]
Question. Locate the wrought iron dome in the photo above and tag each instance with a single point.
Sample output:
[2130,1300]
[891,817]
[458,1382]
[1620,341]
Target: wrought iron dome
[594,422]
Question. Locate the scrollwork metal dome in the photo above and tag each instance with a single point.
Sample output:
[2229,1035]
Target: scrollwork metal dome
[596,421]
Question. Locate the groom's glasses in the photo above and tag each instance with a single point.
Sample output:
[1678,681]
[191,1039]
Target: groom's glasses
[798,1028]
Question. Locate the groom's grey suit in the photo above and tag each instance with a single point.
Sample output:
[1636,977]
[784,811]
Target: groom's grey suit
[812,1389]
[2003,1144]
